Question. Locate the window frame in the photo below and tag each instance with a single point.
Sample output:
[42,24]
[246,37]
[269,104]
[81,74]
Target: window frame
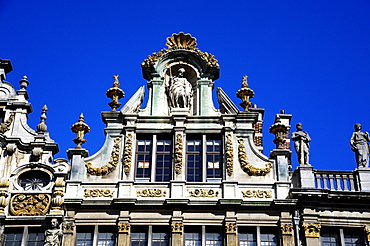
[96,230]
[26,231]
[149,231]
[258,232]
[204,231]
[342,233]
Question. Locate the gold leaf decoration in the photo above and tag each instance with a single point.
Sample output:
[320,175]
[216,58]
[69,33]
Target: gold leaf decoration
[98,193]
[181,41]
[311,229]
[286,229]
[4,127]
[151,193]
[127,155]
[203,193]
[177,227]
[257,194]
[30,204]
[110,166]
[178,154]
[246,165]
[229,155]
[230,228]
[123,227]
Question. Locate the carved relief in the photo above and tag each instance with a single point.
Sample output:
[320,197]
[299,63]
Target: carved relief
[367,231]
[177,227]
[229,155]
[246,165]
[3,201]
[257,194]
[178,154]
[58,196]
[19,156]
[203,193]
[311,229]
[68,227]
[151,193]
[286,229]
[123,227]
[230,228]
[98,193]
[110,166]
[4,127]
[127,155]
[30,204]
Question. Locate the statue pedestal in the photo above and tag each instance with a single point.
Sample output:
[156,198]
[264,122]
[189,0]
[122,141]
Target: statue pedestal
[303,177]
[363,175]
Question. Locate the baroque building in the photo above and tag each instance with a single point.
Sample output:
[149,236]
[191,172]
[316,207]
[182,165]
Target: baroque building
[176,171]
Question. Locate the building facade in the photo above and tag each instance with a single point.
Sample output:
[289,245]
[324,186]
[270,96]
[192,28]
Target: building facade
[176,171]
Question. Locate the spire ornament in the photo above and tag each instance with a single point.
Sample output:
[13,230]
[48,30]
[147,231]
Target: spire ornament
[80,128]
[115,93]
[24,83]
[245,94]
[278,129]
[42,126]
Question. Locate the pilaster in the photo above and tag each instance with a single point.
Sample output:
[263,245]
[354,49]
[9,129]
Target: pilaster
[77,162]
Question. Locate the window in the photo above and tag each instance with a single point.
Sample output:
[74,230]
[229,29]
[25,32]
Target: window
[24,236]
[203,158]
[150,236]
[203,236]
[341,236]
[96,236]
[157,150]
[252,236]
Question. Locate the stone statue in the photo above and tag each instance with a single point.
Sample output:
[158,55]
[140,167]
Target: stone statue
[301,144]
[180,91]
[359,142]
[54,235]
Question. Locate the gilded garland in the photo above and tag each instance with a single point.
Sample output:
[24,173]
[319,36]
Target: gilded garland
[246,165]
[229,155]
[30,204]
[110,166]
[127,155]
[181,41]
[178,154]
[4,127]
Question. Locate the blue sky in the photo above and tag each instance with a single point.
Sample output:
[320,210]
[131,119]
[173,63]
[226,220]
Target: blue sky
[310,58]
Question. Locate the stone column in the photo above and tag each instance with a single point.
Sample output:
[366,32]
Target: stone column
[123,237]
[287,237]
[231,239]
[69,232]
[177,230]
[312,233]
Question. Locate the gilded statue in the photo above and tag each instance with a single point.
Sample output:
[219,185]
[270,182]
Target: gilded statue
[359,142]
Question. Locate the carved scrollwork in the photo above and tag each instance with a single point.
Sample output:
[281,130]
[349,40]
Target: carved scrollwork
[311,229]
[230,228]
[123,227]
[229,155]
[30,204]
[4,127]
[177,227]
[127,155]
[286,229]
[257,193]
[246,165]
[367,232]
[68,227]
[203,193]
[151,193]
[110,166]
[58,195]
[178,154]
[98,193]
[3,200]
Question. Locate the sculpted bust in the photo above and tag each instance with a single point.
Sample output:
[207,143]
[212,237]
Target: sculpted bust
[180,91]
[54,234]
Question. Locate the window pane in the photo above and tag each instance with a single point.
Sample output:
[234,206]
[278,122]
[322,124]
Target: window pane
[163,161]
[269,236]
[330,239]
[143,158]
[85,235]
[36,237]
[194,163]
[160,236]
[139,236]
[214,236]
[214,159]
[352,238]
[13,236]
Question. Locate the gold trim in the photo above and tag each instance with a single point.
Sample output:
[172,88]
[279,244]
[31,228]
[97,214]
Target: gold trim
[203,193]
[286,229]
[230,228]
[177,227]
[115,93]
[123,227]
[68,227]
[110,166]
[151,193]
[367,232]
[246,165]
[257,194]
[127,155]
[178,154]
[30,204]
[229,155]
[98,193]
[311,229]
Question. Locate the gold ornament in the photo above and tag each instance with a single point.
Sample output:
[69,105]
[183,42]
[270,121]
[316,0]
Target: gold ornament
[80,128]
[127,156]
[178,154]
[115,93]
[245,94]
[229,155]
[98,193]
[311,229]
[151,193]
[30,204]
[257,194]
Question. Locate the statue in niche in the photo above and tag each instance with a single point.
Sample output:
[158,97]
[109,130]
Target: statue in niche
[301,144]
[359,142]
[180,90]
[54,235]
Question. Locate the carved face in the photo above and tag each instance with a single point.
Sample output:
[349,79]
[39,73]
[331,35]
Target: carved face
[299,127]
[181,72]
[358,127]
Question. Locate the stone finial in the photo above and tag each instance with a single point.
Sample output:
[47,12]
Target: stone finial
[245,94]
[24,83]
[42,126]
[278,129]
[80,128]
[115,93]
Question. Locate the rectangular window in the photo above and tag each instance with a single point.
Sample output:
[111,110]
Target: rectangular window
[341,236]
[214,236]
[36,237]
[213,159]
[144,159]
[247,236]
[13,236]
[193,236]
[106,236]
[163,161]
[85,235]
[194,160]
[150,236]
[203,235]
[30,236]
[253,236]
[330,239]
[96,235]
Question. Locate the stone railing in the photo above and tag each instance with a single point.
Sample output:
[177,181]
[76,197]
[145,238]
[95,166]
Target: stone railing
[336,180]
